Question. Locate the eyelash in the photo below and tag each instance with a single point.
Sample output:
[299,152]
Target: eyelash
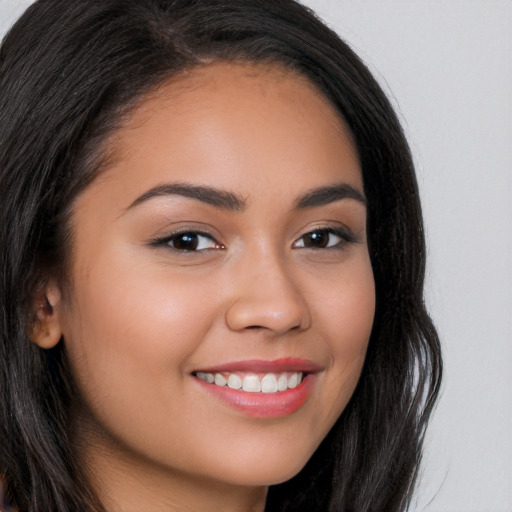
[346,237]
[168,239]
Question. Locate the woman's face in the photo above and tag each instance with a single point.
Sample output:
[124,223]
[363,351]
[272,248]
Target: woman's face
[226,241]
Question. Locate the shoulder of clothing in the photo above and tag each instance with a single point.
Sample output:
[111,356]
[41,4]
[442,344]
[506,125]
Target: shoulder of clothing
[5,497]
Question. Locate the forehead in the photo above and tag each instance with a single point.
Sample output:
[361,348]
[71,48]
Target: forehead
[214,121]
[222,84]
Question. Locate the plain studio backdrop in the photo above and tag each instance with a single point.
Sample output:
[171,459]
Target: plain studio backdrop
[447,67]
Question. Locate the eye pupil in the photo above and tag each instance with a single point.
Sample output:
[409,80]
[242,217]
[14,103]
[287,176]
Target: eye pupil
[186,241]
[316,239]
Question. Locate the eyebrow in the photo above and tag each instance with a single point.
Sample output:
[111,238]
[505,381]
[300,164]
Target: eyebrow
[230,201]
[218,198]
[325,195]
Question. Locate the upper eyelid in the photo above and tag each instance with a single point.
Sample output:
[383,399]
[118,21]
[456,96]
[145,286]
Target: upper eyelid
[189,230]
[165,239]
[340,230]
[170,232]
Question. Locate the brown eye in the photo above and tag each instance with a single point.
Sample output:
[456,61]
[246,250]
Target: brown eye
[191,241]
[185,242]
[317,239]
[323,239]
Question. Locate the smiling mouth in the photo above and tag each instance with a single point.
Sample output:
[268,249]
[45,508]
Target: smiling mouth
[253,382]
[261,389]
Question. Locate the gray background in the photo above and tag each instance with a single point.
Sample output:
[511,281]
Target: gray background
[447,67]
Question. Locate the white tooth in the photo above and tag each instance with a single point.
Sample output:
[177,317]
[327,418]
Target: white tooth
[210,378]
[234,381]
[251,383]
[282,382]
[201,375]
[293,381]
[269,383]
[220,380]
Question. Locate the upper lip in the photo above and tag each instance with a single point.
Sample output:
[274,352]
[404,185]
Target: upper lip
[264,366]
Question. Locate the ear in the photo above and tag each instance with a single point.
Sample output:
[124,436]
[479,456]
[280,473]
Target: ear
[46,331]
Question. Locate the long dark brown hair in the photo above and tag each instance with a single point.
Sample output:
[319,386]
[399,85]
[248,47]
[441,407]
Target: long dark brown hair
[70,72]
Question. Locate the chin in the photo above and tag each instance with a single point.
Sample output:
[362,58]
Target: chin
[266,473]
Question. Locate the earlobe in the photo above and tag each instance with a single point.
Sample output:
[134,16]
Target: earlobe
[46,331]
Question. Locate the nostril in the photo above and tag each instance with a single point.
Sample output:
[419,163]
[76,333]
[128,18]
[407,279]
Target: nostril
[254,327]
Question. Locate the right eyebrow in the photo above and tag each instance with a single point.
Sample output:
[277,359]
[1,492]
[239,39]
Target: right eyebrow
[325,195]
[221,199]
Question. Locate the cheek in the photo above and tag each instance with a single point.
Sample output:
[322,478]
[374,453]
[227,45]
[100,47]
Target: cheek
[131,334]
[347,318]
[346,310]
[124,304]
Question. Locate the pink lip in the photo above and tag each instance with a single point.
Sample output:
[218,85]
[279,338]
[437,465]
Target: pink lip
[265,405]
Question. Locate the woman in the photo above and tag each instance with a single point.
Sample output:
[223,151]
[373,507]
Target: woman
[213,262]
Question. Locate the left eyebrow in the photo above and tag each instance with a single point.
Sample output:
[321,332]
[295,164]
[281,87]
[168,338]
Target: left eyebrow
[325,195]
[221,199]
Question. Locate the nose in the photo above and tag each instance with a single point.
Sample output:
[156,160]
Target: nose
[267,297]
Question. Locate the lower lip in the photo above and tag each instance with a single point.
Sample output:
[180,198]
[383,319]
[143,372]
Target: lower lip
[263,405]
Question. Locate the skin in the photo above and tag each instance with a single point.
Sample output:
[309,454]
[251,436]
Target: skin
[142,317]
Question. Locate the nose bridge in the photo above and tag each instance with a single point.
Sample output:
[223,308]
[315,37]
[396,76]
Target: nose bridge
[266,295]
